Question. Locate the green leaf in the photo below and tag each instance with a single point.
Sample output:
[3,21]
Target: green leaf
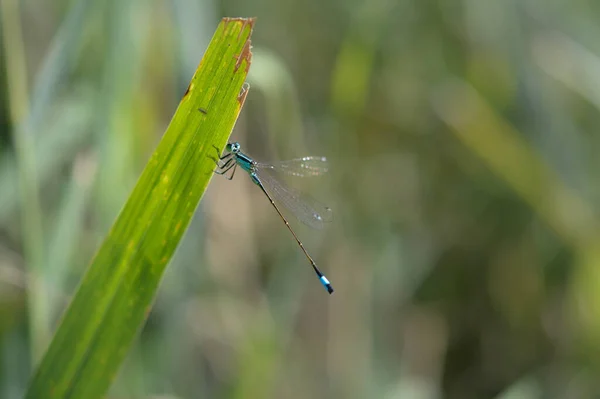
[115,294]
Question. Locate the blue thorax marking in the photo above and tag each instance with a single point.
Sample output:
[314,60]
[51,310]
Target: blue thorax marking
[247,164]
[244,161]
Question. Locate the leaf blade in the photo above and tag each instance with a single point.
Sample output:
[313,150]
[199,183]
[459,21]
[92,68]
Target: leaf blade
[115,294]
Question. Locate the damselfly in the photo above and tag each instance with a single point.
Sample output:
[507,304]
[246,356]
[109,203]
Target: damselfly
[264,175]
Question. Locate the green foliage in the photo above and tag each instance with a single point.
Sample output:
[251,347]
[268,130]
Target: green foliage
[462,141]
[115,295]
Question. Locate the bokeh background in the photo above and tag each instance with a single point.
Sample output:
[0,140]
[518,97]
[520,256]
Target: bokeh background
[462,137]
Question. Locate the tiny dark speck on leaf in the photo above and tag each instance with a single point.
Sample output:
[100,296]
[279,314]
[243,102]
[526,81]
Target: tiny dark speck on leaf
[202,110]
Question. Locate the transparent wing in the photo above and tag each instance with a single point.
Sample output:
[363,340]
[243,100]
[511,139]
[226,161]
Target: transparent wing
[299,167]
[308,210]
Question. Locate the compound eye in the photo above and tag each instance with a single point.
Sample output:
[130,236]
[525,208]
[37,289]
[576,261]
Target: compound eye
[235,147]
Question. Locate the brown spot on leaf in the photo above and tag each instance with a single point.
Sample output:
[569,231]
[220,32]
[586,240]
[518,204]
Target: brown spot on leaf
[247,21]
[246,54]
[188,90]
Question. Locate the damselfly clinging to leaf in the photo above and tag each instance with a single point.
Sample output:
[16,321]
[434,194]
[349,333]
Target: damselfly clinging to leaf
[307,210]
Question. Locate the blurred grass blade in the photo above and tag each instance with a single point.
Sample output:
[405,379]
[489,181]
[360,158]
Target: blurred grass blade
[512,158]
[31,213]
[115,295]
[68,226]
[570,63]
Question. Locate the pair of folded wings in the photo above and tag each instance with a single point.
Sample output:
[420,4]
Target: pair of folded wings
[308,210]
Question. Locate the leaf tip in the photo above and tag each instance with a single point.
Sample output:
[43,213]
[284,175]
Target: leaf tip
[245,21]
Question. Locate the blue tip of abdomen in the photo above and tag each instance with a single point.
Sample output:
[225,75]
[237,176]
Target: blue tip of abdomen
[326,284]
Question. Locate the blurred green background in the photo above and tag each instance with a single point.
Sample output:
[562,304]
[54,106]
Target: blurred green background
[462,140]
